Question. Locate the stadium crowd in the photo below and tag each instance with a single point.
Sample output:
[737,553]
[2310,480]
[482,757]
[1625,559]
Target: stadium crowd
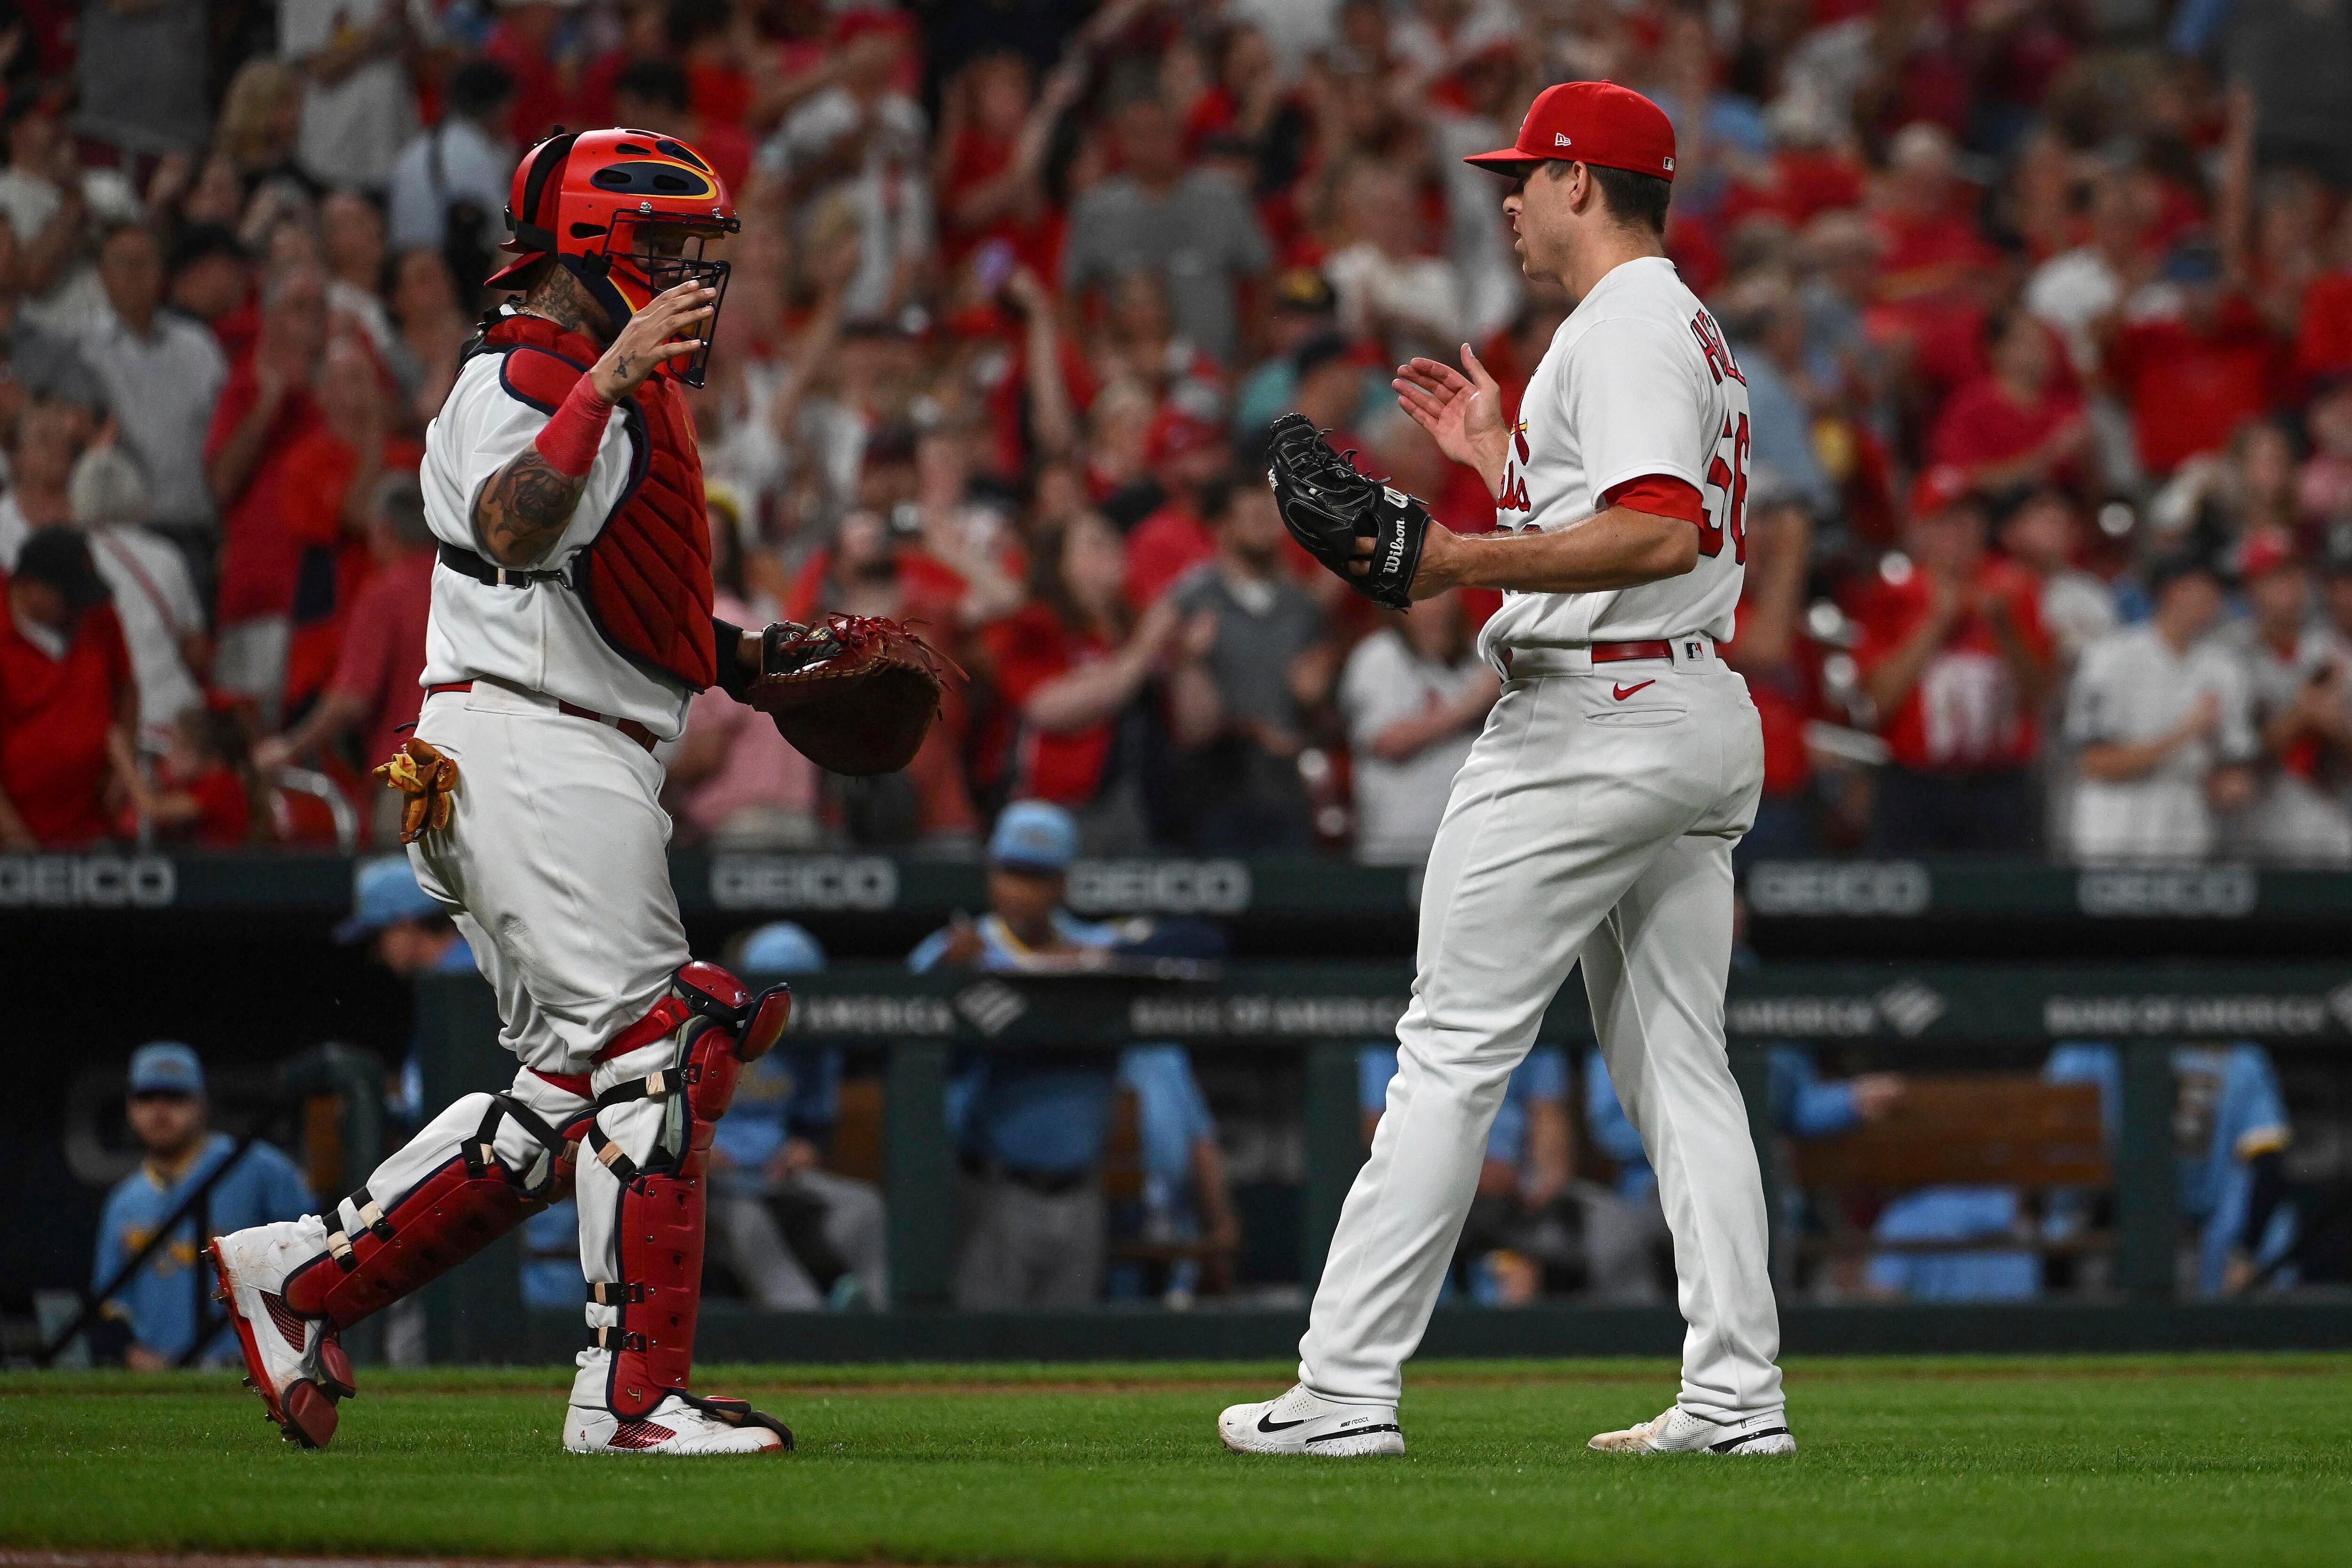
[2044,308]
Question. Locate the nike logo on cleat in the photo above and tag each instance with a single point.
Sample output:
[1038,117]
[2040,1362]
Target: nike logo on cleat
[1354,1432]
[1623,692]
[1267,1423]
[1733,1444]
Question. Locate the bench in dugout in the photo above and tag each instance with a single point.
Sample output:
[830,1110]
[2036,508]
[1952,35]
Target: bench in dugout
[1993,1129]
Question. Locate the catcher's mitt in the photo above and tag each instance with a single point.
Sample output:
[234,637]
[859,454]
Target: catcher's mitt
[1328,507]
[855,695]
[418,770]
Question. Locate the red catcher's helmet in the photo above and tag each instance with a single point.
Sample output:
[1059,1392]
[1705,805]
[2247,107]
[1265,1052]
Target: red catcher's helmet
[595,200]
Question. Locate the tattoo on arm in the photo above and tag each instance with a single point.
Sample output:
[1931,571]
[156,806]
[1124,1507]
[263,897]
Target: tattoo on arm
[522,512]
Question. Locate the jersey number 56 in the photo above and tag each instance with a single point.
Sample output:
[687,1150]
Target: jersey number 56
[1731,479]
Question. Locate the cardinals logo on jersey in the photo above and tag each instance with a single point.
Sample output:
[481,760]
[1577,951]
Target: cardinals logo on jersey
[1513,496]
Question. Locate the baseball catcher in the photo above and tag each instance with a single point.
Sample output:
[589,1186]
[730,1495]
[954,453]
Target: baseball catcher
[571,626]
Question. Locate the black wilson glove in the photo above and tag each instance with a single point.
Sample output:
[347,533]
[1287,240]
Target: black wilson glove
[1328,507]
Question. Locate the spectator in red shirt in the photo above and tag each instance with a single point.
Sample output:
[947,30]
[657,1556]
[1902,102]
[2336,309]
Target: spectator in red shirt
[877,566]
[206,790]
[2324,332]
[991,159]
[655,95]
[265,408]
[2015,426]
[1186,455]
[2190,381]
[211,279]
[1071,666]
[544,65]
[1924,221]
[1955,660]
[328,503]
[373,691]
[68,705]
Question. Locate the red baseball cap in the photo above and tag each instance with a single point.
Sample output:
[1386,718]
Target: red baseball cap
[1590,122]
[1937,488]
[2265,550]
[1174,433]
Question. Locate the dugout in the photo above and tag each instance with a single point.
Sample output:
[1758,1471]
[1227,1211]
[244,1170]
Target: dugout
[1960,973]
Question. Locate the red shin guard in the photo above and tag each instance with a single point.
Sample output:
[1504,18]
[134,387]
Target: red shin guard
[657,1235]
[464,1206]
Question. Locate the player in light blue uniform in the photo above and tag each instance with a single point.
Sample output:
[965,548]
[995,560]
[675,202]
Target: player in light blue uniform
[167,1109]
[1030,1128]
[1185,1198]
[1532,1228]
[2231,1130]
[798,1235]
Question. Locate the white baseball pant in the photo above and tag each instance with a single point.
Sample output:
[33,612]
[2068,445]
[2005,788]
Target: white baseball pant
[555,866]
[1582,825]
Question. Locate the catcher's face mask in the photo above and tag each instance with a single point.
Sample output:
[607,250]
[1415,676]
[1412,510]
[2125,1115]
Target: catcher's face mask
[646,256]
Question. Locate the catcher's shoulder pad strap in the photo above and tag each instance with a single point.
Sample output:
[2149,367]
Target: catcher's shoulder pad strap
[540,377]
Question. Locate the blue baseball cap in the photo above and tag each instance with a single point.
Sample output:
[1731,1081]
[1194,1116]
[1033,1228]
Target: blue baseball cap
[166,1066]
[384,893]
[1035,835]
[780,947]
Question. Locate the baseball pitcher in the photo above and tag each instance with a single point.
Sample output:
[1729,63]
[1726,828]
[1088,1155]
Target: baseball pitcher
[571,626]
[1595,817]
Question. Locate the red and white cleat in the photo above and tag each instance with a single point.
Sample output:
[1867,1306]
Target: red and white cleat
[680,1423]
[296,1364]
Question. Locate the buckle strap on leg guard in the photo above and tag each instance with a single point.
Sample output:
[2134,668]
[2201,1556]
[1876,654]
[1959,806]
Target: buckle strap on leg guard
[609,1337]
[652,1086]
[371,1220]
[481,1153]
[610,1155]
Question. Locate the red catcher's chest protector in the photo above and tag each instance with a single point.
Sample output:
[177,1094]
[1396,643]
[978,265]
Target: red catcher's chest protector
[645,578]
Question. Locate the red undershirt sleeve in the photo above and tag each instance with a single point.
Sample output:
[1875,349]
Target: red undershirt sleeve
[1660,494]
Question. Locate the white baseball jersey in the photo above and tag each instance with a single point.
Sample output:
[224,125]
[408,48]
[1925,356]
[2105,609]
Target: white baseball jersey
[540,637]
[2132,686]
[1638,381]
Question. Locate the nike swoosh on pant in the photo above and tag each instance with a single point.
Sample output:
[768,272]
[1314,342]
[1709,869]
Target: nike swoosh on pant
[1623,692]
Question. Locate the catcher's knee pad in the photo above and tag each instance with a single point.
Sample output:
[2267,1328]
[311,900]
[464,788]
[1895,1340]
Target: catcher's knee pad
[463,1190]
[652,1292]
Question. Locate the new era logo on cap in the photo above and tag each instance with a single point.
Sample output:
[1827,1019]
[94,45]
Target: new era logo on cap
[1559,140]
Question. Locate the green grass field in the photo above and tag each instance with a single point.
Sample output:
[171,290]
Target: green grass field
[2233,1460]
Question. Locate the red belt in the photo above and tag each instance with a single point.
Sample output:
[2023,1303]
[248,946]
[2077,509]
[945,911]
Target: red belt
[629,727]
[1619,652]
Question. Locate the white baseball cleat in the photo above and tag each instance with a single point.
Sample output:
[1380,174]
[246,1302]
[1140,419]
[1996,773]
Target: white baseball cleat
[1304,1423]
[296,1364]
[1680,1432]
[676,1425]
